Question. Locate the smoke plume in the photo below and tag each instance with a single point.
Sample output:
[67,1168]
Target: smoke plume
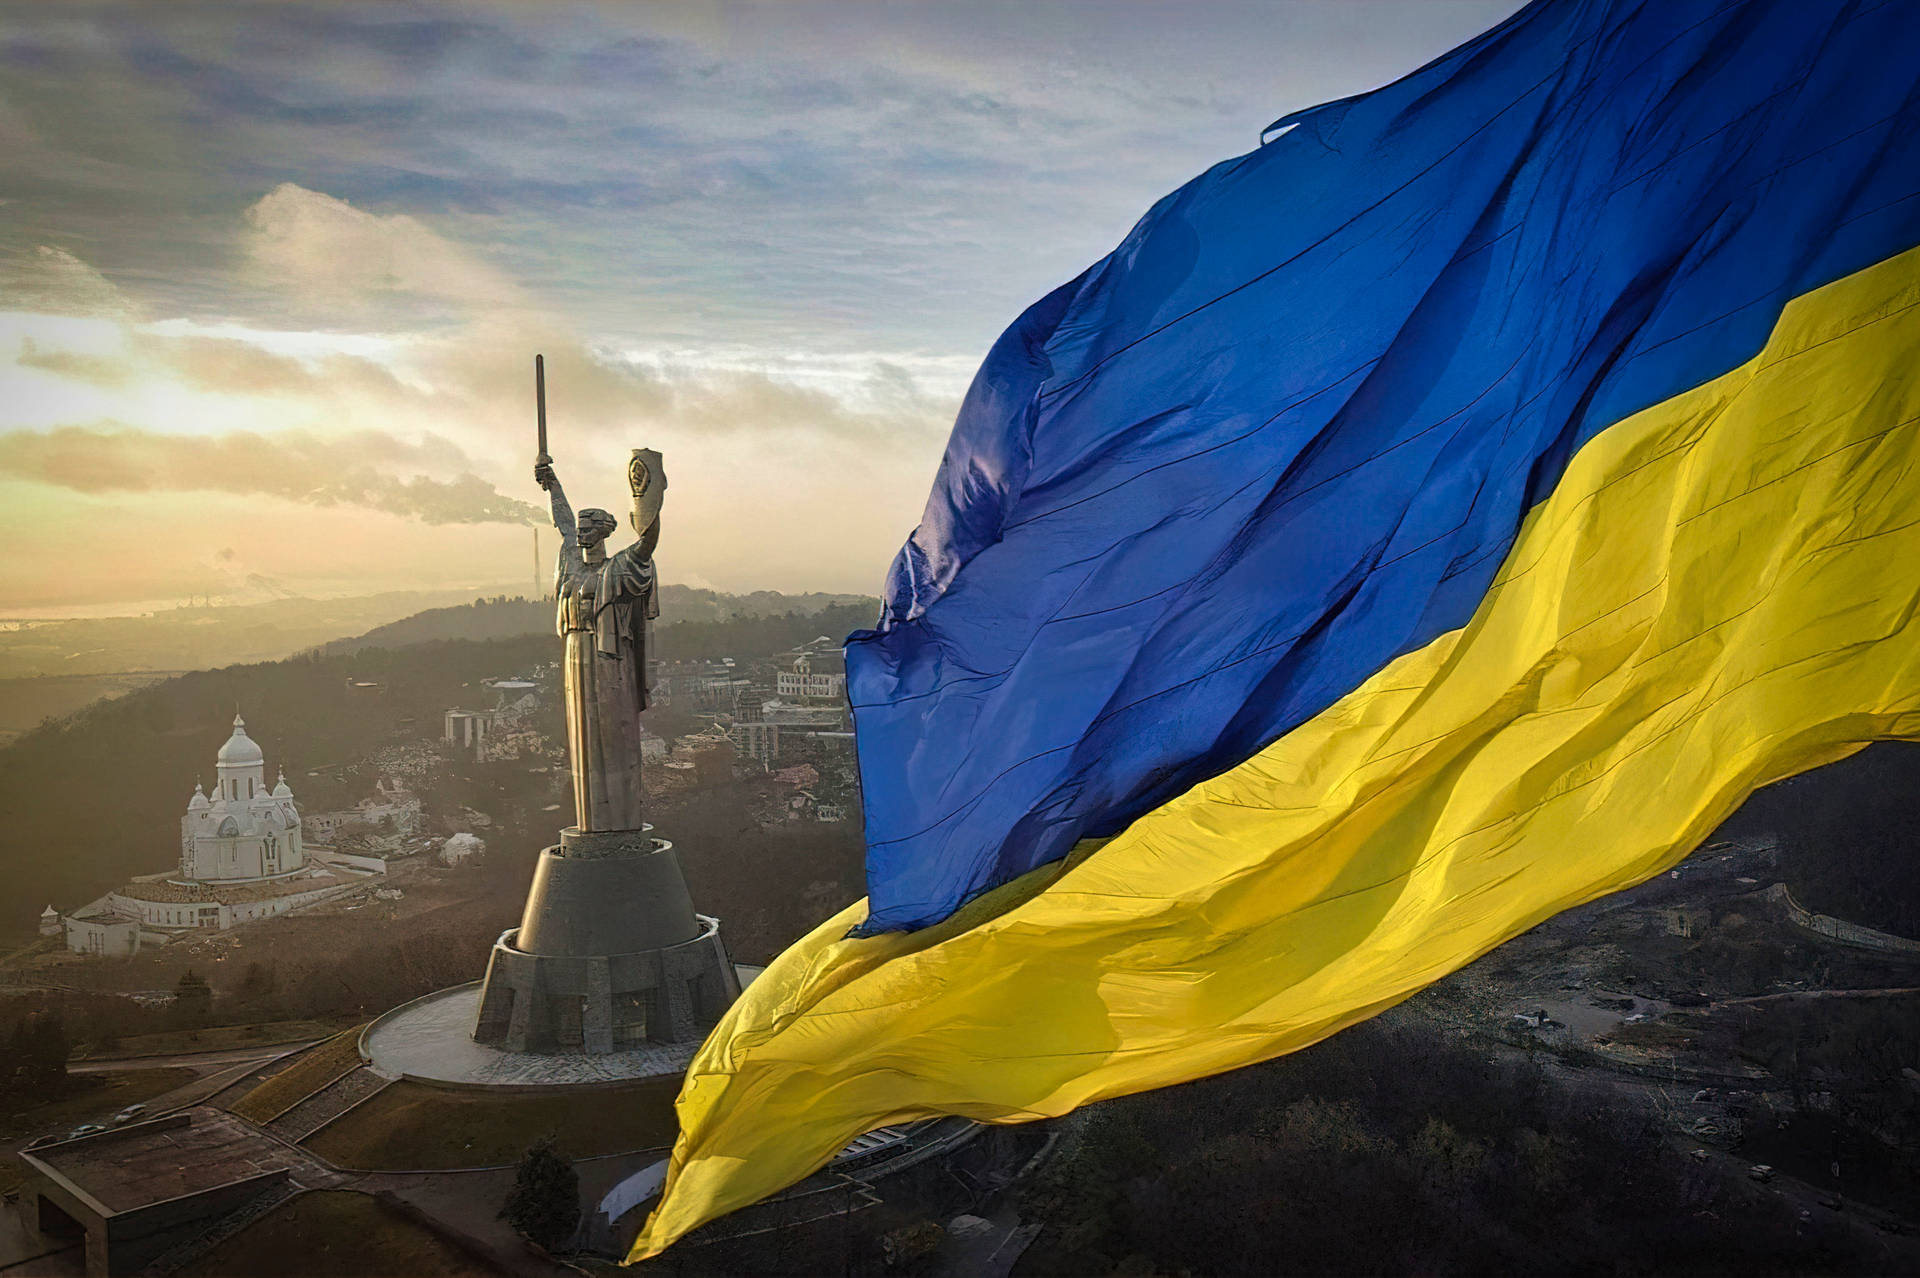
[367,469]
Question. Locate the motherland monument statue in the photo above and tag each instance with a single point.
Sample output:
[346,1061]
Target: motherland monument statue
[609,955]
[606,606]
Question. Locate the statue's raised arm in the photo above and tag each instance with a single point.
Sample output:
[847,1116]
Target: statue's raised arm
[543,475]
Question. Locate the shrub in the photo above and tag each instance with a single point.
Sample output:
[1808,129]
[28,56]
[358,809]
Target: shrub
[544,1203]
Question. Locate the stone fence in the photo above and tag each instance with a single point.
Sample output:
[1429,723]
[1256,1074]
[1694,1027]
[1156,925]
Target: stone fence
[1840,930]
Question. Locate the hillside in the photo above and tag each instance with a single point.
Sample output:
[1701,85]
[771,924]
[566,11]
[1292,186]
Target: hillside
[26,703]
[197,637]
[1847,834]
[95,798]
[506,618]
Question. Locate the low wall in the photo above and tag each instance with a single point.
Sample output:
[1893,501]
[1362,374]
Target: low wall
[1841,930]
[158,914]
[137,1236]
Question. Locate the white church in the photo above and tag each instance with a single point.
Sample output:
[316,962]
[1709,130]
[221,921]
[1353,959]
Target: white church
[241,858]
[245,832]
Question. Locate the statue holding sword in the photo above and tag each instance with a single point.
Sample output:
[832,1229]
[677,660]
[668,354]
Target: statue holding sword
[606,605]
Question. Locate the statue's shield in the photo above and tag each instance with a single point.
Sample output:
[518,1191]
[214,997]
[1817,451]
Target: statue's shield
[648,480]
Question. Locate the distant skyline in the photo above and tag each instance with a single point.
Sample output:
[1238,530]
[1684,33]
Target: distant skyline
[272,274]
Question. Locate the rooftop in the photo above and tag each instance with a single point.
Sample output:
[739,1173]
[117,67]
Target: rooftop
[102,914]
[152,1162]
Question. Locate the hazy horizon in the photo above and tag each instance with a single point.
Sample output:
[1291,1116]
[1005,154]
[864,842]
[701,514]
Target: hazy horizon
[272,275]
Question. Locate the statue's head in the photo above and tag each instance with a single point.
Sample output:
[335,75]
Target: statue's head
[593,526]
[648,480]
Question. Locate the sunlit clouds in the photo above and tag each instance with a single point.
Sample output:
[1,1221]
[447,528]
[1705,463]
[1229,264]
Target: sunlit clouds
[272,275]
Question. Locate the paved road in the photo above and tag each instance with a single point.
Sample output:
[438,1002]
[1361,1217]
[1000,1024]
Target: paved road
[217,1070]
[223,1056]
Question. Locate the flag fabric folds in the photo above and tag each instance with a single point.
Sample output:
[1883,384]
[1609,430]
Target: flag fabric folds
[1443,515]
[1288,430]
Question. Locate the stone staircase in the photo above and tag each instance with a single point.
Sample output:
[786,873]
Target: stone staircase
[336,1098]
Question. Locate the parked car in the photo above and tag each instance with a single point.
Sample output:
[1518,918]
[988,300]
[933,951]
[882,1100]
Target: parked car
[85,1129]
[128,1114]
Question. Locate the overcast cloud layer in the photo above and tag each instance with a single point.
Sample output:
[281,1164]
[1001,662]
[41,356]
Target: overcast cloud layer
[773,241]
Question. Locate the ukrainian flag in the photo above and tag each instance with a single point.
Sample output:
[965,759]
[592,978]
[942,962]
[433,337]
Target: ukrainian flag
[1443,515]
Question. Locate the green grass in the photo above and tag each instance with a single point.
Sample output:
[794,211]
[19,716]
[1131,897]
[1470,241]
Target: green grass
[93,1101]
[301,1079]
[215,1038]
[411,1126]
[335,1233]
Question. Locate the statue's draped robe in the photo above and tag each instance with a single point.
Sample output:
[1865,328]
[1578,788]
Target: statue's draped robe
[606,611]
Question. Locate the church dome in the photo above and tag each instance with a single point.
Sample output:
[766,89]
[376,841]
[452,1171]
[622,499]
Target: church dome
[199,799]
[240,748]
[283,790]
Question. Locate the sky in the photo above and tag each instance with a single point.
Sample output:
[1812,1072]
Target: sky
[272,275]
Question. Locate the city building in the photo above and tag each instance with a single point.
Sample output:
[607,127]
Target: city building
[129,1195]
[759,736]
[467,729]
[814,676]
[506,731]
[516,698]
[101,930]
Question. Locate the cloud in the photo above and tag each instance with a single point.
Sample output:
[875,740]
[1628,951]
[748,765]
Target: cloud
[323,250]
[221,365]
[234,366]
[79,366]
[52,281]
[354,470]
[827,176]
[470,373]
[596,396]
[319,250]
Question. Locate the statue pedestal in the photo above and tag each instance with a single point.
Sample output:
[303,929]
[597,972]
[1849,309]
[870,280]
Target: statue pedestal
[609,954]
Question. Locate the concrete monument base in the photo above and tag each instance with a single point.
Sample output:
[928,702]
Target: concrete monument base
[609,955]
